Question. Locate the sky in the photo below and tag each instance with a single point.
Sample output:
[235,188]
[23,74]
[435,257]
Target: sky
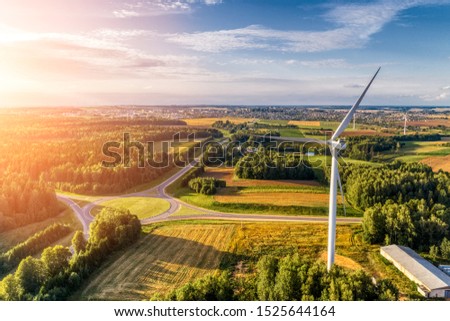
[223,52]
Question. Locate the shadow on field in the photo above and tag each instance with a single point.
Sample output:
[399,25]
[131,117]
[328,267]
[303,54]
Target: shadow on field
[158,264]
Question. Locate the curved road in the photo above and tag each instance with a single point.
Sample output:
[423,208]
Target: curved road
[84,213]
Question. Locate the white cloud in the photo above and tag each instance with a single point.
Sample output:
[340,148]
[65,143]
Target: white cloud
[354,26]
[95,54]
[446,88]
[123,13]
[159,7]
[441,96]
[325,63]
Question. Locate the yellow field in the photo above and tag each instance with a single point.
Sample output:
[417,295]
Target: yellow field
[227,174]
[438,162]
[279,199]
[165,259]
[209,121]
[342,261]
[305,123]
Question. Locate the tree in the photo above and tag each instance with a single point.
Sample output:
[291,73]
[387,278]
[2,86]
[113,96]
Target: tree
[287,284]
[56,259]
[30,275]
[387,291]
[9,289]
[434,252]
[267,269]
[78,242]
[445,248]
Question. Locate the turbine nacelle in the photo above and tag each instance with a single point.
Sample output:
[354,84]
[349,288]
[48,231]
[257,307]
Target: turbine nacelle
[337,144]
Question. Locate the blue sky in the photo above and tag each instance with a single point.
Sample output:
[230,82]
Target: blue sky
[64,52]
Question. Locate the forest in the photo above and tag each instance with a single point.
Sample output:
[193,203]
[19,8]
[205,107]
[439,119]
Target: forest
[41,152]
[406,204]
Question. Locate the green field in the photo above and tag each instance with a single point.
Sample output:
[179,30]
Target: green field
[417,151]
[174,253]
[187,211]
[142,207]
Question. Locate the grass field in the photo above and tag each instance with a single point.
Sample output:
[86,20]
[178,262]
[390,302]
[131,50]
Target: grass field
[186,211]
[178,252]
[142,207]
[209,121]
[291,132]
[170,256]
[11,238]
[419,151]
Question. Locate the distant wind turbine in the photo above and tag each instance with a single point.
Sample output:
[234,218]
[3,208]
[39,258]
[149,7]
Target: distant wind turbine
[406,119]
[335,146]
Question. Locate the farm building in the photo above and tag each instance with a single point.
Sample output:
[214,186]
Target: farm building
[431,281]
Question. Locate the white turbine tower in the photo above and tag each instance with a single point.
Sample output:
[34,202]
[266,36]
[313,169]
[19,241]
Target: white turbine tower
[335,146]
[406,119]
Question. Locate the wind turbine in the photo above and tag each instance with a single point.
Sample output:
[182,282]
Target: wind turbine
[406,119]
[335,146]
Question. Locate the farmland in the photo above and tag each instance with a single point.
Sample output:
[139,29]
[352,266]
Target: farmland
[276,198]
[172,254]
[305,123]
[438,162]
[168,257]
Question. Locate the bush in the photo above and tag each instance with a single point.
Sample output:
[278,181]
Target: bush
[206,185]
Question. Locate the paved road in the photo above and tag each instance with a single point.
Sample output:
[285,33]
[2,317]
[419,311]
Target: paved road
[84,214]
[84,218]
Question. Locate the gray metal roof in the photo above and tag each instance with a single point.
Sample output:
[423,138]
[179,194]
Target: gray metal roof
[425,272]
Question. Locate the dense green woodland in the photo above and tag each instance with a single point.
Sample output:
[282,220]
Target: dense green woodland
[58,273]
[271,165]
[288,279]
[405,204]
[40,152]
[24,200]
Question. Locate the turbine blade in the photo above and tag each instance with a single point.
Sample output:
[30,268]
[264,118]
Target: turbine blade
[349,116]
[342,192]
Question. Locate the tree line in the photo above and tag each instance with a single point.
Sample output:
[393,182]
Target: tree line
[264,164]
[57,274]
[33,245]
[288,279]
